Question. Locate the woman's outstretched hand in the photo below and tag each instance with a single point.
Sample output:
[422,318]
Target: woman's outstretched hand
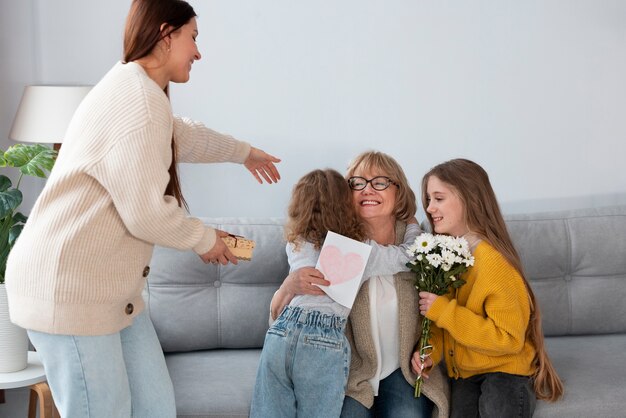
[261,165]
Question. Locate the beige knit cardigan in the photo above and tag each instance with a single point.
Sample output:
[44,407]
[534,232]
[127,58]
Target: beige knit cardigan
[79,266]
[363,360]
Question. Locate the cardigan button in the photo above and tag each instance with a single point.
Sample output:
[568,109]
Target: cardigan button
[451,353]
[129,309]
[146,271]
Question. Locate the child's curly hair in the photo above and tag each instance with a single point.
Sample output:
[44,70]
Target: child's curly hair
[321,201]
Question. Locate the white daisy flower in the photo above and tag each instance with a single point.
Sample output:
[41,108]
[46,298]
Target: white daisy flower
[434,259]
[424,243]
[448,257]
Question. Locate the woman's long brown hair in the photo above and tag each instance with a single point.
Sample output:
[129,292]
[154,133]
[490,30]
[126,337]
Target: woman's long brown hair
[483,216]
[321,201]
[141,34]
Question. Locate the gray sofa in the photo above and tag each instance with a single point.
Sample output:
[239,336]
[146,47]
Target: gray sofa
[211,320]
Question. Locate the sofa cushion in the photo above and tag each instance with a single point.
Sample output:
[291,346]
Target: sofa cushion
[198,306]
[592,369]
[213,383]
[575,263]
[219,383]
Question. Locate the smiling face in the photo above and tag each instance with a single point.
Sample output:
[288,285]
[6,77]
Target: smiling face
[445,208]
[183,51]
[374,204]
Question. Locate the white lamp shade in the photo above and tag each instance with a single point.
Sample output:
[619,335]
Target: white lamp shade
[45,113]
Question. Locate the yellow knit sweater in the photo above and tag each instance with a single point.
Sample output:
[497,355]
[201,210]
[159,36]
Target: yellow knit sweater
[484,324]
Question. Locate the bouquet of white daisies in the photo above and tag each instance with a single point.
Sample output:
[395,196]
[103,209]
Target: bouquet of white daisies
[438,262]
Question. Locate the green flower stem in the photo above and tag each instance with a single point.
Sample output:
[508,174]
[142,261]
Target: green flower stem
[424,346]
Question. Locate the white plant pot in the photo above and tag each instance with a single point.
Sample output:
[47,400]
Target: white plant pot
[13,340]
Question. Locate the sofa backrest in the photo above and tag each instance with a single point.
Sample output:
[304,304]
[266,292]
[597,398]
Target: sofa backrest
[574,260]
[201,306]
[576,264]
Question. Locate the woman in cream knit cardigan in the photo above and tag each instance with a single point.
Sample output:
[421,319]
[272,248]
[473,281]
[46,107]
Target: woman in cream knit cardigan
[76,274]
[383,327]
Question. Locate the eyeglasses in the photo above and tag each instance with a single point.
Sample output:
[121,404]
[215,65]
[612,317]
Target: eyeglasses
[378,183]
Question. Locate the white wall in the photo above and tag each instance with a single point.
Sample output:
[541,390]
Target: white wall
[18,66]
[534,91]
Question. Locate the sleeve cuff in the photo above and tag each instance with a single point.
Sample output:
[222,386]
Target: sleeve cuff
[242,151]
[206,242]
[437,308]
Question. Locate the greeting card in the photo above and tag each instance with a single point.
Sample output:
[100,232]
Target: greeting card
[342,261]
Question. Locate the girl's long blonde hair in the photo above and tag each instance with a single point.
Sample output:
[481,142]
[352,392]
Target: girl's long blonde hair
[484,218]
[321,201]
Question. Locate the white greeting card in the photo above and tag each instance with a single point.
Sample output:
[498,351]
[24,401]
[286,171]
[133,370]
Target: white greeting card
[342,261]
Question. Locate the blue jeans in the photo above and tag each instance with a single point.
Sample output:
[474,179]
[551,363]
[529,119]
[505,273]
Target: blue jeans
[395,400]
[116,375]
[303,368]
[492,395]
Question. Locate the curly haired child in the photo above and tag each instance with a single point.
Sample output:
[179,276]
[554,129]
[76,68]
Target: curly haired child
[305,360]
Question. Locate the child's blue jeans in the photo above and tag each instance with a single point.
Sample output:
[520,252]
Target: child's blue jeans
[304,366]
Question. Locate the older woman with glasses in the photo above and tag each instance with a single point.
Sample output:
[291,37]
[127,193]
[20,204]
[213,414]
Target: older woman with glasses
[383,327]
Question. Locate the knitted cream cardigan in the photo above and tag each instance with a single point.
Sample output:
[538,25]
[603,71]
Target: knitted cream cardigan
[79,266]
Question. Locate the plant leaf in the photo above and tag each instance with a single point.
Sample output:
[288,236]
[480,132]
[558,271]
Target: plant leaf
[5,227]
[4,254]
[32,160]
[5,183]
[15,232]
[9,201]
[19,218]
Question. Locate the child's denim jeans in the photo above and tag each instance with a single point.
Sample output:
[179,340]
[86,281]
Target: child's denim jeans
[304,366]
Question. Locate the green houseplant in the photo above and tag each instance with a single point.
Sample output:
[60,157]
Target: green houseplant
[31,160]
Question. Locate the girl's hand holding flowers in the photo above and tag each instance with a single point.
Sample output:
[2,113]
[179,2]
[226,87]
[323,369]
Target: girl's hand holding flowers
[426,301]
[419,367]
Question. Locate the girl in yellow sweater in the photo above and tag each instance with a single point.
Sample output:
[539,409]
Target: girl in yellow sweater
[489,330]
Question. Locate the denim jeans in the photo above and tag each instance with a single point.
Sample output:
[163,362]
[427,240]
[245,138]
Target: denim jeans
[492,395]
[117,375]
[395,400]
[303,368]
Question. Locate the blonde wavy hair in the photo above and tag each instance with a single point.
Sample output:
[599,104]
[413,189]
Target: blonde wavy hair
[321,201]
[483,216]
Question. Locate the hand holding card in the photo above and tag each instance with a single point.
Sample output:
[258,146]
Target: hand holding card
[342,260]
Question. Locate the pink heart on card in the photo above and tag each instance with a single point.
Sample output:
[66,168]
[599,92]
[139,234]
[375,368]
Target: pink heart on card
[337,267]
